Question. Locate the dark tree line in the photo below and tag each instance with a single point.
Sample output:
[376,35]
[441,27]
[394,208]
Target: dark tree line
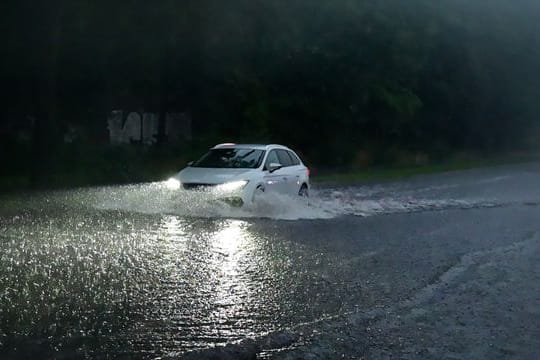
[343,81]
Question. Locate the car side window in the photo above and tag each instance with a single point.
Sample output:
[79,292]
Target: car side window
[272,158]
[294,158]
[284,158]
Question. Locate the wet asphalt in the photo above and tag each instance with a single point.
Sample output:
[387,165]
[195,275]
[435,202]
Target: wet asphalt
[443,266]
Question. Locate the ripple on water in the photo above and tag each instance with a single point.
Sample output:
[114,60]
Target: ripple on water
[109,283]
[143,270]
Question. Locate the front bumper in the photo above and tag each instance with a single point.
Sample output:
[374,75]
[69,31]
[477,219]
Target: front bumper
[234,198]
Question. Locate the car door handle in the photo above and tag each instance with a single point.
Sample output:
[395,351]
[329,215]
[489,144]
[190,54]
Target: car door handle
[284,178]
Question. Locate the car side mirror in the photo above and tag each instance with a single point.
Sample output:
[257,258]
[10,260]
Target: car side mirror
[190,163]
[274,166]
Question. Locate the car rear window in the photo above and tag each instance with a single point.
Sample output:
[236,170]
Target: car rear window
[284,158]
[294,159]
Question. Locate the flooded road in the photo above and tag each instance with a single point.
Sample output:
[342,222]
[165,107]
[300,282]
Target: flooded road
[142,272]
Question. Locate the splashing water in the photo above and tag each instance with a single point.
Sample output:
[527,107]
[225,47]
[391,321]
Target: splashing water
[323,204]
[155,198]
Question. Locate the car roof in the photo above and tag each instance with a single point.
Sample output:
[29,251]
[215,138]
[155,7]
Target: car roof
[250,146]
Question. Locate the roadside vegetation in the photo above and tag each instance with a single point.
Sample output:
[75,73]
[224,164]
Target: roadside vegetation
[354,86]
[124,165]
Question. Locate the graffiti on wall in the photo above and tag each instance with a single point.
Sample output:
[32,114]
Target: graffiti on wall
[136,127]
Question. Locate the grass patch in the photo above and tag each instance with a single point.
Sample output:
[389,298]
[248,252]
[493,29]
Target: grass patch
[387,173]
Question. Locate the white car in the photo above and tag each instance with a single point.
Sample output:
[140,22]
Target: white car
[239,173]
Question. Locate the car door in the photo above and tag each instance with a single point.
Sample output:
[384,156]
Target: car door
[275,181]
[298,171]
[288,173]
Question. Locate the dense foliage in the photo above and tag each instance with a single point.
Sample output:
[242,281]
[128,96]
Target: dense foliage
[347,82]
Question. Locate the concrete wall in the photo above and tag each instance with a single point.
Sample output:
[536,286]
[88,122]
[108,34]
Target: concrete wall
[136,127]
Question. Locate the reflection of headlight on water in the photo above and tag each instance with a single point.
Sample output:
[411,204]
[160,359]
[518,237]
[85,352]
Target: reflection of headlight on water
[172,184]
[232,186]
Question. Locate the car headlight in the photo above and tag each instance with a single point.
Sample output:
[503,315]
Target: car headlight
[232,186]
[172,184]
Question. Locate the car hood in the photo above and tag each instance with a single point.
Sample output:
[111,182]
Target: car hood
[211,175]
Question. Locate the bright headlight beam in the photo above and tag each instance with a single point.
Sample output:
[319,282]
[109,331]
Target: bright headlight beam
[172,184]
[232,186]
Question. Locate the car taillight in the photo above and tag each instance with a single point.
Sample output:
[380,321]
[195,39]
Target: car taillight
[308,172]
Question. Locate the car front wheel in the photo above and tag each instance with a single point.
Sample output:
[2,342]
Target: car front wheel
[257,194]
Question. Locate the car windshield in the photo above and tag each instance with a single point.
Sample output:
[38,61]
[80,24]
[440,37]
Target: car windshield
[231,158]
